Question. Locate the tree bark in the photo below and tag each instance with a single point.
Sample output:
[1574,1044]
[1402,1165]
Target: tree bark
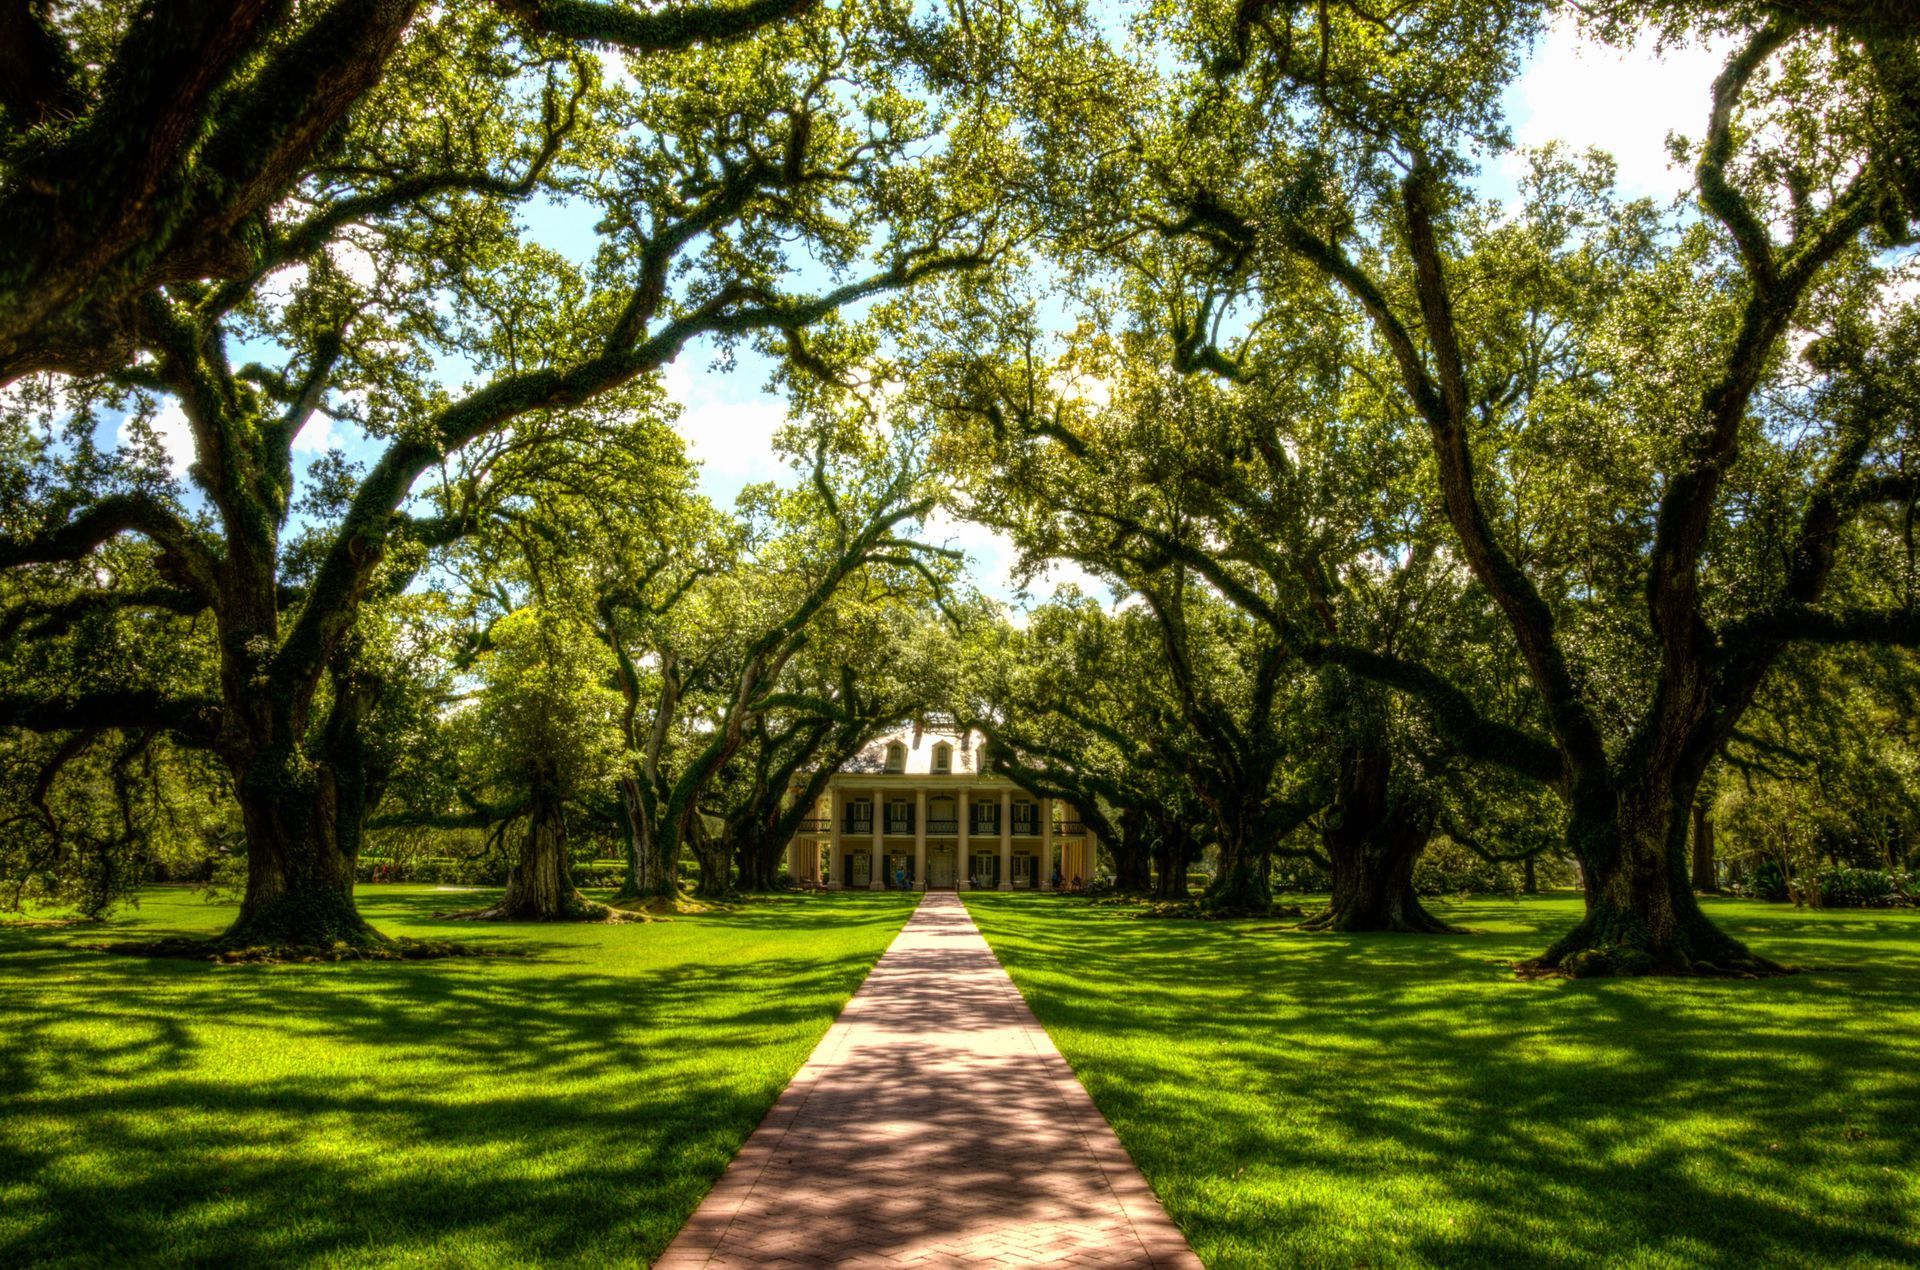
[758,861]
[1373,837]
[1706,877]
[716,860]
[1642,917]
[1172,856]
[1132,863]
[540,888]
[1530,884]
[299,891]
[1237,885]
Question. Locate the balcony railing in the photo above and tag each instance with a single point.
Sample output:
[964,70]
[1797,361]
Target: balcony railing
[818,825]
[1072,829]
[857,826]
[943,826]
[983,827]
[899,824]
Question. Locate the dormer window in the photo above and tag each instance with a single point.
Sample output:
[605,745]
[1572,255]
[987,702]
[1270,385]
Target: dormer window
[942,759]
[896,757]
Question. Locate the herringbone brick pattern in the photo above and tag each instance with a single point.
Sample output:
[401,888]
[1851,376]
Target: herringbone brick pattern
[935,1125]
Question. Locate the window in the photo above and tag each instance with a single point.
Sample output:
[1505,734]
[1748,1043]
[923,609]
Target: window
[941,817]
[899,816]
[942,759]
[1026,817]
[896,757]
[859,816]
[986,818]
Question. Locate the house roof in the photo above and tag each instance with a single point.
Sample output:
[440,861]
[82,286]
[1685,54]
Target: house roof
[920,744]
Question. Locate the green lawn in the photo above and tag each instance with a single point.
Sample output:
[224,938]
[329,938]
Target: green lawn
[1340,1100]
[569,1107]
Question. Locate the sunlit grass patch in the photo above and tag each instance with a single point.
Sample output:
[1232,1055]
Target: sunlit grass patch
[571,1105]
[1386,1099]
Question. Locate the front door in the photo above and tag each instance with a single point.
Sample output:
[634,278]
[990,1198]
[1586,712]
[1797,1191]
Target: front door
[940,869]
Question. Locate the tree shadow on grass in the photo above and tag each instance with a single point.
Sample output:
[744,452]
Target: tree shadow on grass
[1380,1098]
[186,1113]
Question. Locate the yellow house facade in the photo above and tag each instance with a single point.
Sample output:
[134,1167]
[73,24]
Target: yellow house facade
[914,811]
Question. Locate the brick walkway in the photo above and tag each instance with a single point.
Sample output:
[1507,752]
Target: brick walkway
[936,1124]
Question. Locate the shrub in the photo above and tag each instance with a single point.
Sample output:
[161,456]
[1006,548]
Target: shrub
[432,870]
[1767,881]
[1842,887]
[1299,874]
[599,873]
[1447,868]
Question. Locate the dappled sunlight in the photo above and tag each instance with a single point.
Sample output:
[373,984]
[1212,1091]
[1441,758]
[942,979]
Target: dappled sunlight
[578,1100]
[1378,1097]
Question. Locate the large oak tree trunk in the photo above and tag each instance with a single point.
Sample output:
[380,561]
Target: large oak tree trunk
[653,849]
[758,862]
[1706,877]
[716,860]
[1642,917]
[1373,837]
[1172,856]
[638,844]
[1237,885]
[299,891]
[1132,863]
[540,888]
[1373,881]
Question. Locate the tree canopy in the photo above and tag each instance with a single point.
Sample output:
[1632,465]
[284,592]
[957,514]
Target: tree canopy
[1552,523]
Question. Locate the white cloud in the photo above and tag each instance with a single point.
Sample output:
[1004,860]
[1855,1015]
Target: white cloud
[731,435]
[989,552]
[1588,94]
[316,437]
[613,64]
[991,557]
[175,435]
[278,288]
[354,261]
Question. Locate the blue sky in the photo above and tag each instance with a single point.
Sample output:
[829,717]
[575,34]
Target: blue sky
[1572,90]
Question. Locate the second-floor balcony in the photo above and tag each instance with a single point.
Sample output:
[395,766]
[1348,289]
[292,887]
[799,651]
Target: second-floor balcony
[949,826]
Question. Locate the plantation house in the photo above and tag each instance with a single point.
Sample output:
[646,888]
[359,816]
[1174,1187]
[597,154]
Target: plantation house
[915,806]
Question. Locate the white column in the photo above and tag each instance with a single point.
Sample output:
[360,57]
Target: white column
[964,851]
[1083,857]
[834,812]
[877,869]
[1006,840]
[1046,843]
[919,839]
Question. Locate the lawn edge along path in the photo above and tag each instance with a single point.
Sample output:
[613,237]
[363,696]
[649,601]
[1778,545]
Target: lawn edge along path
[936,1121]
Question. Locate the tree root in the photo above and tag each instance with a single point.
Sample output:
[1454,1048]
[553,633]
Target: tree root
[229,954]
[1336,921]
[1201,911]
[580,910]
[1631,961]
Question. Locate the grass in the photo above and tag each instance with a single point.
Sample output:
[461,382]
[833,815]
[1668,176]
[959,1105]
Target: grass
[1303,1099]
[568,1107]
